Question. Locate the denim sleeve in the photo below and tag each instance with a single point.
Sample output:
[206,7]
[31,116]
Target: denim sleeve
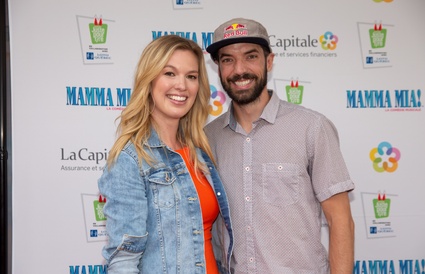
[126,213]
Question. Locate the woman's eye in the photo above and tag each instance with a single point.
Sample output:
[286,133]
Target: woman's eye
[192,77]
[169,73]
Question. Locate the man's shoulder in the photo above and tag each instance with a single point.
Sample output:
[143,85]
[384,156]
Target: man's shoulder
[300,110]
[215,124]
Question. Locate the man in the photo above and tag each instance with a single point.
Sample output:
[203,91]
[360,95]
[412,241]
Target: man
[281,166]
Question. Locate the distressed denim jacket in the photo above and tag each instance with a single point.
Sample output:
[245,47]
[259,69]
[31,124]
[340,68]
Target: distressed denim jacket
[154,219]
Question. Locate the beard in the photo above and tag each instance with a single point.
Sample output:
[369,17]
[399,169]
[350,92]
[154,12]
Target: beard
[245,96]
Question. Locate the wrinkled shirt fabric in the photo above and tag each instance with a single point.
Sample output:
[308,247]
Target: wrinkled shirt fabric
[276,176]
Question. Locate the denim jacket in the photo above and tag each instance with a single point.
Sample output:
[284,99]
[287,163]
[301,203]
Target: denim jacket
[154,218]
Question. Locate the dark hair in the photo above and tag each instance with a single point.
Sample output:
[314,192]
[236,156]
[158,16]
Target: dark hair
[266,50]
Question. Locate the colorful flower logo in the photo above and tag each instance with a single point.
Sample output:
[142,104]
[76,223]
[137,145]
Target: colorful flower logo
[328,41]
[219,98]
[391,154]
[379,1]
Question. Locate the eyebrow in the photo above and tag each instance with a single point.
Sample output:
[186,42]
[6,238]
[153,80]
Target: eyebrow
[173,67]
[245,53]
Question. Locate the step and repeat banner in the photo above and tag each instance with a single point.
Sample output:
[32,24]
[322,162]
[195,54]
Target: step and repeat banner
[361,63]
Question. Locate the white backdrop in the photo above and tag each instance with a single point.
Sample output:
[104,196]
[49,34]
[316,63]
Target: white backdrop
[68,87]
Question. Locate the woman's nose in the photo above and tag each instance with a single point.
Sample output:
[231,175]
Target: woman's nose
[180,83]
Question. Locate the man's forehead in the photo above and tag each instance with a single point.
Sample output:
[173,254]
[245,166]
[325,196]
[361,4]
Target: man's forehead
[240,48]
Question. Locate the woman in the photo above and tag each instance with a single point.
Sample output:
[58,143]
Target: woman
[162,190]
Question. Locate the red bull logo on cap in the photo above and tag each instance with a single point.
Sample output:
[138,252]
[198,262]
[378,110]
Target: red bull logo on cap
[235,30]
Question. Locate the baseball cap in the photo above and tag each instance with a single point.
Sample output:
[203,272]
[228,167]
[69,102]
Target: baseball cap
[239,30]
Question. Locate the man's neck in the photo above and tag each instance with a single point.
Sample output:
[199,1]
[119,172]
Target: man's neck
[245,115]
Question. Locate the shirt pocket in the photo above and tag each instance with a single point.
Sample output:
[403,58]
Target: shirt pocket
[280,182]
[162,184]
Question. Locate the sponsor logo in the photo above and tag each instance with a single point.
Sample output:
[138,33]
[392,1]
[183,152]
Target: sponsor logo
[296,46]
[385,157]
[94,35]
[379,1]
[235,30]
[381,205]
[293,88]
[83,159]
[94,219]
[98,31]
[294,92]
[378,36]
[374,44]
[379,224]
[187,4]
[218,100]
[235,26]
[328,41]
[98,209]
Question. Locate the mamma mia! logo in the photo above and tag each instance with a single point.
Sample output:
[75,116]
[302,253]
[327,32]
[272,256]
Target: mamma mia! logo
[203,39]
[98,97]
[92,269]
[396,100]
[408,266]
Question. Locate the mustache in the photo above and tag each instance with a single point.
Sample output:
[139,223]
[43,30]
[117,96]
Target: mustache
[238,77]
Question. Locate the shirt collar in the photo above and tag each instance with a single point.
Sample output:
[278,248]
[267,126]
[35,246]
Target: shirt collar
[269,113]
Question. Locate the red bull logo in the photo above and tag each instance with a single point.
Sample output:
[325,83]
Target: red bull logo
[235,30]
[235,27]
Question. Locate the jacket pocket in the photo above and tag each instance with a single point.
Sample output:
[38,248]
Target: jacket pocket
[280,182]
[162,184]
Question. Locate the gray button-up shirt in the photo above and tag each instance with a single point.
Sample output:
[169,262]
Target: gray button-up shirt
[275,178]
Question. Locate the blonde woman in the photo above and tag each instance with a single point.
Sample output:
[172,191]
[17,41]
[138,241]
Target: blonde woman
[163,193]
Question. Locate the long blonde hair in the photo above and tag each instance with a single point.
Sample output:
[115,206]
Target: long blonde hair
[136,121]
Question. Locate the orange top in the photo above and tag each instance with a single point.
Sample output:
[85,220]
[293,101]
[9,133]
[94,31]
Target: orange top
[209,208]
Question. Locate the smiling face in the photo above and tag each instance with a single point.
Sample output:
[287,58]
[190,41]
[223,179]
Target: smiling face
[243,71]
[174,90]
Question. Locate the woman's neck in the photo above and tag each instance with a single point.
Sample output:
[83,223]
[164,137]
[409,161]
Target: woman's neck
[167,132]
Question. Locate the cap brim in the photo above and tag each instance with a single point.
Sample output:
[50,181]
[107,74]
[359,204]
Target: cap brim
[214,47]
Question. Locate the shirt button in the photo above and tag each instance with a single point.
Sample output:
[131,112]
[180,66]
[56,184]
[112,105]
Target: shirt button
[247,168]
[248,228]
[218,193]
[251,260]
[248,140]
[247,198]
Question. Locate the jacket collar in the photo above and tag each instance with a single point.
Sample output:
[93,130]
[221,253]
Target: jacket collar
[153,140]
